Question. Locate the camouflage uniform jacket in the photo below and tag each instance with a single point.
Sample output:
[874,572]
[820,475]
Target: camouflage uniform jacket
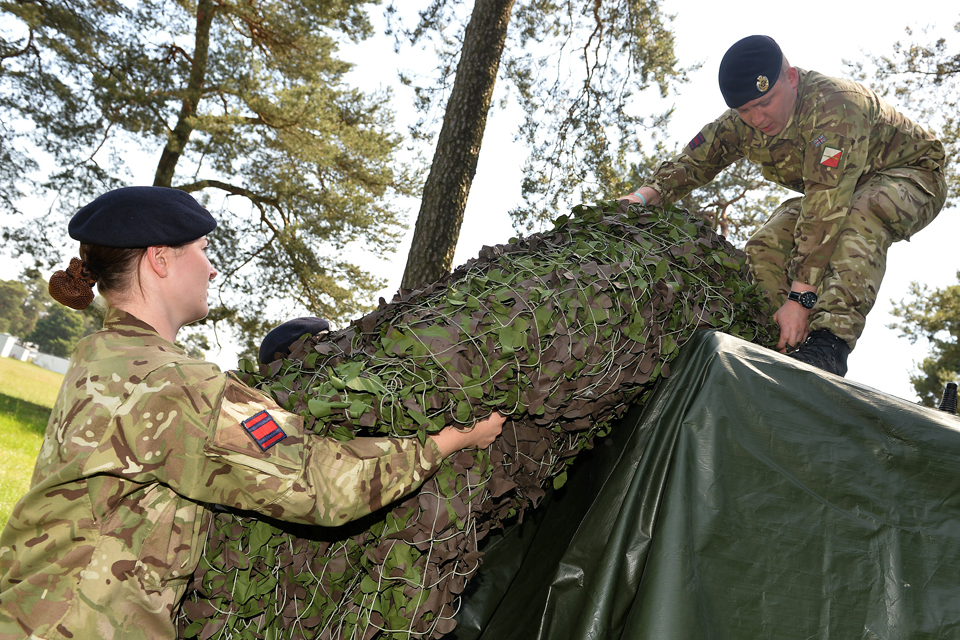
[141,440]
[839,132]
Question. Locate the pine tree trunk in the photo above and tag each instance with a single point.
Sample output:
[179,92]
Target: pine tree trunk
[181,132]
[458,146]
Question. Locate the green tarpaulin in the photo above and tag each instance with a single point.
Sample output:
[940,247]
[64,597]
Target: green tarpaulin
[752,498]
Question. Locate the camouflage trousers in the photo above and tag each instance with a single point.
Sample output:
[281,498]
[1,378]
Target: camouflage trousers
[886,207]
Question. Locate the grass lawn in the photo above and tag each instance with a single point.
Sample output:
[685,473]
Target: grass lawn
[27,393]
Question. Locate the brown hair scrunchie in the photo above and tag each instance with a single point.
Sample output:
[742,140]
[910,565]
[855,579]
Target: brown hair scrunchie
[74,287]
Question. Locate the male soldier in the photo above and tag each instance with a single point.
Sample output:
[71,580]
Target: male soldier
[868,177]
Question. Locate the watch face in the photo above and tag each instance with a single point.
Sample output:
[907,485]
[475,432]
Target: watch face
[808,299]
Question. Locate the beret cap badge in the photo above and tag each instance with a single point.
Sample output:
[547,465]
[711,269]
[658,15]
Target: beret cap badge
[763,84]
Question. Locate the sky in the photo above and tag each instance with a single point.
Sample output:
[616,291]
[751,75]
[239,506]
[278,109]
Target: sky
[813,35]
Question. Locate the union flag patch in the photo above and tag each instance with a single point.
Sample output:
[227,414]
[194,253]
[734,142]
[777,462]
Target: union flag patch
[831,157]
[264,430]
[697,141]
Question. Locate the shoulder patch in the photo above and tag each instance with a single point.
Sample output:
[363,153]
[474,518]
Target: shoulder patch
[820,140]
[697,141]
[264,430]
[831,157]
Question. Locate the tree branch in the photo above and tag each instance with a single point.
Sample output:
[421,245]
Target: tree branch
[25,50]
[229,188]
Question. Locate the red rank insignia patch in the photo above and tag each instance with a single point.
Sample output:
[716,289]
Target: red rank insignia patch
[831,157]
[264,430]
[697,141]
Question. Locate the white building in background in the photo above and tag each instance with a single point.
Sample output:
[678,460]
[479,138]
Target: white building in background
[7,343]
[51,363]
[10,347]
[23,352]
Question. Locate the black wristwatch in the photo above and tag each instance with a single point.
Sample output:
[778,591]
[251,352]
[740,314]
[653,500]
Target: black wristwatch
[806,300]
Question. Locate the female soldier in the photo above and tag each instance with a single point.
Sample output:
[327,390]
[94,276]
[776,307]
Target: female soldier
[142,440]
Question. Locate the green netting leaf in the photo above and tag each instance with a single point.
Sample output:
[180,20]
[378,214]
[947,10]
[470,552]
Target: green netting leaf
[464,411]
[368,585]
[369,383]
[560,479]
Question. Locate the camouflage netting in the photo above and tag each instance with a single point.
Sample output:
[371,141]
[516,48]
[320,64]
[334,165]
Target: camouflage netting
[562,331]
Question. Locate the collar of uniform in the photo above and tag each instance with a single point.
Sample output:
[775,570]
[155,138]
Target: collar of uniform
[119,320]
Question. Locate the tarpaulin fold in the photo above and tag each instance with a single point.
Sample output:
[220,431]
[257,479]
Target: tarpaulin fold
[753,497]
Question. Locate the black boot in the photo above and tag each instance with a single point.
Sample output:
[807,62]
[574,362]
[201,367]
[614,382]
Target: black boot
[824,351]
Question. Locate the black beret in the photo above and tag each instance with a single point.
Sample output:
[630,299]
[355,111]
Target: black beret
[280,339]
[749,69]
[132,217]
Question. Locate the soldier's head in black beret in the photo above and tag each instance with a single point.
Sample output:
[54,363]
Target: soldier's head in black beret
[757,81]
[133,217]
[116,231]
[282,337]
[749,69]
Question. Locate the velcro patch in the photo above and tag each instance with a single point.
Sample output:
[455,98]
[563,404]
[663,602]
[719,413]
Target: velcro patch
[264,430]
[697,141]
[831,157]
[820,140]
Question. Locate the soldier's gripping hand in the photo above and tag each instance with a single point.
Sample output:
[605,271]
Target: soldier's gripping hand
[643,195]
[794,318]
[479,436]
[794,323]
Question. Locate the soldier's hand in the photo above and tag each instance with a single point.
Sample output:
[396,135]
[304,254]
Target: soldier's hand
[650,196]
[485,431]
[479,436]
[794,323]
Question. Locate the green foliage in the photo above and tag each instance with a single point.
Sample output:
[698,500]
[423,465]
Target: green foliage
[246,107]
[561,331]
[28,312]
[13,319]
[58,331]
[194,342]
[22,302]
[925,77]
[933,316]
[575,68]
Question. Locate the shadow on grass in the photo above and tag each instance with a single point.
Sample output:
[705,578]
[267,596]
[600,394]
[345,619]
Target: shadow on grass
[32,417]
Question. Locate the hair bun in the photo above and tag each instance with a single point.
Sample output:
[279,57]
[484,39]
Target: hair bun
[74,287]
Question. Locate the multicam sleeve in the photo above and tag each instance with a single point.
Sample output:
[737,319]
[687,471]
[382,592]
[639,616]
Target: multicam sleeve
[262,460]
[706,155]
[834,158]
[344,481]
